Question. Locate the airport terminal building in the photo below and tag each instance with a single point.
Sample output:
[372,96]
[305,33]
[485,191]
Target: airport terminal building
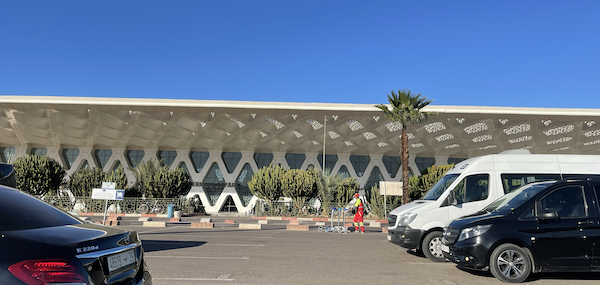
[222,143]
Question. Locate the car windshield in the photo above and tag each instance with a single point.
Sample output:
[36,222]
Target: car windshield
[438,189]
[514,199]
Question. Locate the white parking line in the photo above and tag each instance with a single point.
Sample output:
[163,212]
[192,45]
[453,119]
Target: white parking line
[165,228]
[197,257]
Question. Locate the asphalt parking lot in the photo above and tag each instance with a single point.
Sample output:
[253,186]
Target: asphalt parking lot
[225,254]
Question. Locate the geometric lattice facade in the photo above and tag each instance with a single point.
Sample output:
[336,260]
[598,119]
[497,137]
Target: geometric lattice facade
[221,143]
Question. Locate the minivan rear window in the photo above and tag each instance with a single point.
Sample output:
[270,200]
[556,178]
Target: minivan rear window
[20,211]
[512,181]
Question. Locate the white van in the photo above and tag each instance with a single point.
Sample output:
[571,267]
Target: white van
[473,184]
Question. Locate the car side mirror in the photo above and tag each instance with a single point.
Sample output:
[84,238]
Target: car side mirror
[548,216]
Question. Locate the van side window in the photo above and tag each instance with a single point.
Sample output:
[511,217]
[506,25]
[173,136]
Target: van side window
[512,181]
[568,202]
[473,188]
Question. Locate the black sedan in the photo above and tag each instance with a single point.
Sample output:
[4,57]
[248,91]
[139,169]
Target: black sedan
[40,244]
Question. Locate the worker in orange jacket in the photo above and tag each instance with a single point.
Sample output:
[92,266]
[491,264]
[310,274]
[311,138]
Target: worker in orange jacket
[358,216]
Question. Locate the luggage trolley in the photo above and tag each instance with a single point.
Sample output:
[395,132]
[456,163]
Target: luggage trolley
[341,213]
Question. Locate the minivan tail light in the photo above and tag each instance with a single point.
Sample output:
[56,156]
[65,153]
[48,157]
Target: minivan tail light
[47,271]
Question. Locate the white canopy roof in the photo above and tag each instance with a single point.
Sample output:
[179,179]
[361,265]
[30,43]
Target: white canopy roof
[165,124]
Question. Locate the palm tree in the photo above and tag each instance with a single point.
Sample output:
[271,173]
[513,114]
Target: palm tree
[405,109]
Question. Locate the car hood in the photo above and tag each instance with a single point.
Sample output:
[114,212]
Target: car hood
[410,206]
[476,219]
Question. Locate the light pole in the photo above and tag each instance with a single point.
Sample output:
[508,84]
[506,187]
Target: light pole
[324,136]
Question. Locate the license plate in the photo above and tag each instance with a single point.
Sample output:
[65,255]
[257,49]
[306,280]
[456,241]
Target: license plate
[121,260]
[389,238]
[445,248]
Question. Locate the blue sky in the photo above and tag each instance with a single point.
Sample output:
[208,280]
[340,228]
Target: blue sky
[482,53]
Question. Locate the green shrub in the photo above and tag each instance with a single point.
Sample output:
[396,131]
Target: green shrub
[38,174]
[266,183]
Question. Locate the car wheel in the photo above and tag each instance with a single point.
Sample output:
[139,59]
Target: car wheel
[431,247]
[510,263]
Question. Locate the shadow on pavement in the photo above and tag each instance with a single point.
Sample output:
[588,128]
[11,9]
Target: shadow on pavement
[158,245]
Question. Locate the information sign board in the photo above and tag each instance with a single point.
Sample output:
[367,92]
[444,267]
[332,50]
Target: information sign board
[107,194]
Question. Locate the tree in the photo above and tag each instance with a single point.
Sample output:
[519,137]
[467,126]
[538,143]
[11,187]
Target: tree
[166,183]
[266,183]
[144,173]
[419,185]
[38,174]
[405,109]
[345,190]
[377,201]
[118,176]
[82,181]
[299,185]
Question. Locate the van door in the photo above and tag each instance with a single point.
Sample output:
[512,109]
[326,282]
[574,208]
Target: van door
[567,240]
[471,195]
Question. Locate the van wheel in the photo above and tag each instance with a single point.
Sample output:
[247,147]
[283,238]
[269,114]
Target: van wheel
[431,247]
[510,263]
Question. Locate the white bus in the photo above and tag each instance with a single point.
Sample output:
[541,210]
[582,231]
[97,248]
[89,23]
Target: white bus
[473,184]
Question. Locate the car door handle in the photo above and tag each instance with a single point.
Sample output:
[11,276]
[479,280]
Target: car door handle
[584,222]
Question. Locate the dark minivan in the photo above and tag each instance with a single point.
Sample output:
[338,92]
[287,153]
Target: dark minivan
[540,227]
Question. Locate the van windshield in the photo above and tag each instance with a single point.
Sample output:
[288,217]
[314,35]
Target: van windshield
[438,189]
[514,199]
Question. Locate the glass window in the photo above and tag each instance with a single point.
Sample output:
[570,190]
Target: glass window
[515,199]
[330,160]
[70,155]
[7,153]
[295,160]
[213,184]
[199,158]
[440,187]
[511,182]
[167,157]
[360,163]
[373,180]
[241,185]
[472,188]
[37,215]
[529,214]
[424,162]
[231,160]
[455,160]
[263,159]
[344,171]
[567,201]
[85,165]
[229,206]
[116,167]
[102,156]
[580,176]
[184,167]
[134,157]
[392,164]
[39,151]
